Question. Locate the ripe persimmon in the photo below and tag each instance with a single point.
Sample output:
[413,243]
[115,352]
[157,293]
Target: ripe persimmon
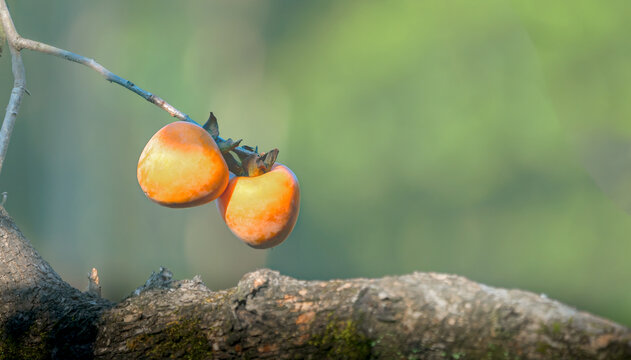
[261,210]
[181,166]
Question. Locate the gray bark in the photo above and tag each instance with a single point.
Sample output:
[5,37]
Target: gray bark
[267,315]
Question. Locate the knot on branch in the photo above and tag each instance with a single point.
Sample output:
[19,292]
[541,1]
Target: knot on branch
[161,280]
[194,284]
[253,282]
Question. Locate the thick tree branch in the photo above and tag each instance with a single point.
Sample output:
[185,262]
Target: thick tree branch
[416,316]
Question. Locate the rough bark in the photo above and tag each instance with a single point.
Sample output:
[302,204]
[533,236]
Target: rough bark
[267,315]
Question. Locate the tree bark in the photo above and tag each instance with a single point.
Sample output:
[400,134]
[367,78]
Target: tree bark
[267,315]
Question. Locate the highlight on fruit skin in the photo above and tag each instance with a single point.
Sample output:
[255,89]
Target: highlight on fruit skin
[181,166]
[261,210]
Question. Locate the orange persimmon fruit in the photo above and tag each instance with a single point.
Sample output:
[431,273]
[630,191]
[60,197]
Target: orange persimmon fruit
[261,210]
[181,166]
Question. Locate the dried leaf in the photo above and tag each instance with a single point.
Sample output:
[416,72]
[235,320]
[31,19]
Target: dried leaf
[269,158]
[228,145]
[252,165]
[233,163]
[212,126]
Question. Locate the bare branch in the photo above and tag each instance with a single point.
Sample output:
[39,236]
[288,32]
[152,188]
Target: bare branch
[7,23]
[19,82]
[20,43]
[23,43]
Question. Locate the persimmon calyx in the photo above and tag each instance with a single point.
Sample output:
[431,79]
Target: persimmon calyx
[259,164]
[211,126]
[242,160]
[228,145]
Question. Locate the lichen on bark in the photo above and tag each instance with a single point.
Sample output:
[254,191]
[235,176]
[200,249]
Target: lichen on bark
[180,339]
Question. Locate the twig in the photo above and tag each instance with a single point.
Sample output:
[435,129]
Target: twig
[19,82]
[94,285]
[23,43]
[18,43]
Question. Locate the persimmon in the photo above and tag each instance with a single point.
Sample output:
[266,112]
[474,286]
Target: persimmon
[261,210]
[181,166]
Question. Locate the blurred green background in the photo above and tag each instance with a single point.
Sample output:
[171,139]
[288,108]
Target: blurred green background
[490,139]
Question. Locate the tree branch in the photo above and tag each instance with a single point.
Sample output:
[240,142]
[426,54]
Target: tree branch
[18,43]
[421,315]
[415,316]
[19,82]
[22,43]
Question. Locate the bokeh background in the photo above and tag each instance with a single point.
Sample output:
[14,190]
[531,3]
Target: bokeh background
[490,139]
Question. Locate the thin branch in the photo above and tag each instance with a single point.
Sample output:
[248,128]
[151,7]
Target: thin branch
[19,43]
[7,22]
[23,43]
[19,82]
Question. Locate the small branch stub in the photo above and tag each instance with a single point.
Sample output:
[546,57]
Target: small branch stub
[162,279]
[94,286]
